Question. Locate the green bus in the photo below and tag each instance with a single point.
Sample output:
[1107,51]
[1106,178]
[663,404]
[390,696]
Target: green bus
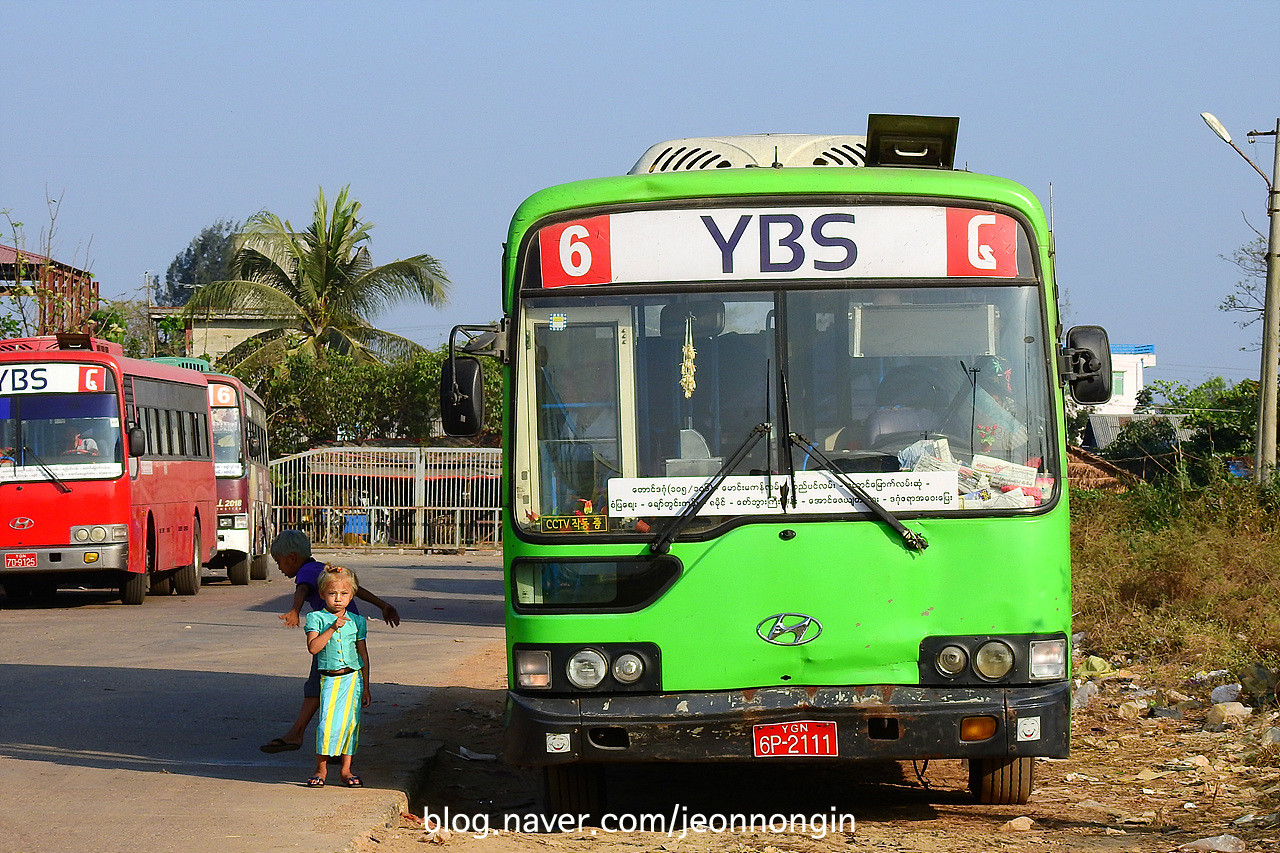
[785,476]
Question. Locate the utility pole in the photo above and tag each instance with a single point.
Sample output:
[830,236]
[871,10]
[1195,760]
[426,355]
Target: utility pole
[1264,459]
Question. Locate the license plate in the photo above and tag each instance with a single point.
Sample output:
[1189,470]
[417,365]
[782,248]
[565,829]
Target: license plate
[798,739]
[19,561]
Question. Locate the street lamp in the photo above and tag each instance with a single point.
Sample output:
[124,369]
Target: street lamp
[1265,452]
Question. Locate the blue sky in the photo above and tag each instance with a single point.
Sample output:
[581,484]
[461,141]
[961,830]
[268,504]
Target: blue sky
[152,120]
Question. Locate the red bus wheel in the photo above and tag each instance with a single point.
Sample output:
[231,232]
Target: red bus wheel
[187,578]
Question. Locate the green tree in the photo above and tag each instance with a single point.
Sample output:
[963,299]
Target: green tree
[322,285]
[205,260]
[1221,418]
[337,399]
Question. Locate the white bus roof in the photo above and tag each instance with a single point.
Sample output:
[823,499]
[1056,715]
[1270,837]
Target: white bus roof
[760,150]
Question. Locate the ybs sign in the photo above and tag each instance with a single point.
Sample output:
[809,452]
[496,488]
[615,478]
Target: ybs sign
[56,377]
[803,242]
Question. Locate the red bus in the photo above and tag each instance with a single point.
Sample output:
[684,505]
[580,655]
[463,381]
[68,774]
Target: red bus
[106,470]
[240,462]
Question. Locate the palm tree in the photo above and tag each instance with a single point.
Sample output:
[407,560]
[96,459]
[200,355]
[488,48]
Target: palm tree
[321,284]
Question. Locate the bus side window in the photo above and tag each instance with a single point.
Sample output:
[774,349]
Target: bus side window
[153,433]
[175,435]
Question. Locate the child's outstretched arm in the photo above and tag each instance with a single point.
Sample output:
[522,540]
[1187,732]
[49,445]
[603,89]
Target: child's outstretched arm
[389,613]
[300,594]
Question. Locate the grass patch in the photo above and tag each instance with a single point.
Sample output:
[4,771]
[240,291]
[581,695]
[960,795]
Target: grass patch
[1180,572]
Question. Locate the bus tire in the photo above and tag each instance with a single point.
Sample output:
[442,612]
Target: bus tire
[133,589]
[238,572]
[187,579]
[161,584]
[573,789]
[259,567]
[1002,781]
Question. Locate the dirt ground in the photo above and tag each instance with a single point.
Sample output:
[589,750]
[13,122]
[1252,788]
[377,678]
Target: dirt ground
[1131,784]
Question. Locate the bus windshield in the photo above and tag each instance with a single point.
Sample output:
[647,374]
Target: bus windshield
[626,403]
[77,434]
[227,461]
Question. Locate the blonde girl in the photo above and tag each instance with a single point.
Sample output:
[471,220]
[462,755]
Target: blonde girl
[337,638]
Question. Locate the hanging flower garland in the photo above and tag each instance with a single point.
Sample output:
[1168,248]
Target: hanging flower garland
[687,353]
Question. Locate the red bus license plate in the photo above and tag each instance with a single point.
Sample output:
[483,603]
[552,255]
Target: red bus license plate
[19,561]
[784,740]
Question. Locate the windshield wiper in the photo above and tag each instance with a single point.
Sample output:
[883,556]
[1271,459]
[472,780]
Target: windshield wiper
[914,541]
[661,543]
[57,481]
[784,412]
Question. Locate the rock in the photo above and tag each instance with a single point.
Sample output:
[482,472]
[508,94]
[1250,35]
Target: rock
[1224,693]
[1018,824]
[1227,713]
[1271,737]
[1167,713]
[1258,681]
[1132,709]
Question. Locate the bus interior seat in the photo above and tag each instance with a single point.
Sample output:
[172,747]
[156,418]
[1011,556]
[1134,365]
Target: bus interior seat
[695,458]
[895,420]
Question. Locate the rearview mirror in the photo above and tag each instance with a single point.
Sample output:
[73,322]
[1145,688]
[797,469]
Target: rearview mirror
[1086,365]
[137,441]
[462,396]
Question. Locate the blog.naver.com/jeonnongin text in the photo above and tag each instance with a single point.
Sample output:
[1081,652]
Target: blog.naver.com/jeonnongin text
[679,823]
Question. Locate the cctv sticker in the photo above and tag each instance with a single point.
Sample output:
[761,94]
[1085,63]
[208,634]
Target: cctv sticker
[1028,728]
[557,743]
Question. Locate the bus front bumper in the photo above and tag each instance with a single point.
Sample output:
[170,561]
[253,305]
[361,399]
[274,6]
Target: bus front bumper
[65,558]
[871,723]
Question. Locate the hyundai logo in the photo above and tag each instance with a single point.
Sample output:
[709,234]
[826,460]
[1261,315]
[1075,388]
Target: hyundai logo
[789,629]
[21,523]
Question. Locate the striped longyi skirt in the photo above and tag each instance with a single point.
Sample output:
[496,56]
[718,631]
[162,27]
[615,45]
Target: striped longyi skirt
[338,731]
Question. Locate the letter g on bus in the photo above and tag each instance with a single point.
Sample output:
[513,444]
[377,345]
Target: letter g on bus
[789,629]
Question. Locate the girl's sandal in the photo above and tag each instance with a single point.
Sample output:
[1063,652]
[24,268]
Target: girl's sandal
[353,781]
[315,782]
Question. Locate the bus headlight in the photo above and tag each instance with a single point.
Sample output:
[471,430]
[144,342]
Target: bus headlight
[628,668]
[533,669]
[1049,659]
[952,660]
[100,533]
[586,669]
[993,660]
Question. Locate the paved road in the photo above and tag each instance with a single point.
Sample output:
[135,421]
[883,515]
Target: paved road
[128,728]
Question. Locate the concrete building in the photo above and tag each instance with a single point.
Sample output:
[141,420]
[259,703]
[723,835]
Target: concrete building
[217,334]
[1127,364]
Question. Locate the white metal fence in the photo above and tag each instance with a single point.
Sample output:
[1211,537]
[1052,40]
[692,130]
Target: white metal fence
[443,498]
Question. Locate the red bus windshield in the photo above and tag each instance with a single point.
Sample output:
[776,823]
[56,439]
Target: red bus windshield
[76,434]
